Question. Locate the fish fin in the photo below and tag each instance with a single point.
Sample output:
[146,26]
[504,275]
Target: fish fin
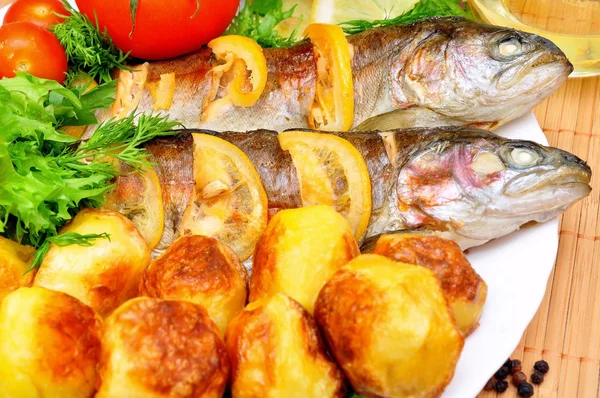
[407,118]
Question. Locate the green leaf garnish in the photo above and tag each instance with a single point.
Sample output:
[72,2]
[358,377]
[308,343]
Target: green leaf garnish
[46,176]
[257,20]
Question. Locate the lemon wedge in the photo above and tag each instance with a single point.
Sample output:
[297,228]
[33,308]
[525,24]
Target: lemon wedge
[338,11]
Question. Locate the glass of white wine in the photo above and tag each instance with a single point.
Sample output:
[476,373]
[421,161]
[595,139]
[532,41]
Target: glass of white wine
[573,25]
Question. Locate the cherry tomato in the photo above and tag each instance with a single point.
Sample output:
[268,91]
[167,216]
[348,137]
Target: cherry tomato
[39,12]
[28,48]
[163,29]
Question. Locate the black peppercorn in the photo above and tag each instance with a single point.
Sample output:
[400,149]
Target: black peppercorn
[502,373]
[501,385]
[490,385]
[515,366]
[519,378]
[525,390]
[537,377]
[542,366]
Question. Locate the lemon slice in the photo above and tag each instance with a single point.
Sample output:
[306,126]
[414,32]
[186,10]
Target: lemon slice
[138,196]
[338,11]
[230,203]
[331,172]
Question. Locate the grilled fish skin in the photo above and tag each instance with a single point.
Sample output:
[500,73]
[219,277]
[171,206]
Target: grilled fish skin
[445,69]
[461,183]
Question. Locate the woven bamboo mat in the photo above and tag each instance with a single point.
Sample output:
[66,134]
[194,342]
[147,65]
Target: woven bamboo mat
[566,329]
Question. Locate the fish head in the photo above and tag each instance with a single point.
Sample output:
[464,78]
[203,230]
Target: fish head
[482,74]
[481,186]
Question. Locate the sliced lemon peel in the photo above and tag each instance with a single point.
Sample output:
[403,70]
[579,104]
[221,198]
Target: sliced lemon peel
[163,92]
[244,58]
[230,203]
[317,181]
[333,107]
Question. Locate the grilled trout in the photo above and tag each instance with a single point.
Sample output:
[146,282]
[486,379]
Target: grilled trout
[460,183]
[446,71]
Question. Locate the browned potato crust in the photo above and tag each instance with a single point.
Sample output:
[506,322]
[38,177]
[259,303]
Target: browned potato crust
[49,345]
[464,289]
[199,269]
[162,348]
[299,251]
[276,351]
[14,262]
[103,275]
[390,328]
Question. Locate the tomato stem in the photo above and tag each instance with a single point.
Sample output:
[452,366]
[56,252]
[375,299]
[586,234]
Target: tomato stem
[133,4]
[197,9]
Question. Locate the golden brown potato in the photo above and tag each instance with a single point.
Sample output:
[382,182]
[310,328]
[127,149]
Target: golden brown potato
[299,251]
[155,348]
[14,262]
[199,269]
[103,275]
[276,351]
[464,289]
[390,328]
[49,345]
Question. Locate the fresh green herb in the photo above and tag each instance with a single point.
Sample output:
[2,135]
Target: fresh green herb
[423,9]
[89,50]
[257,20]
[45,175]
[62,240]
[120,139]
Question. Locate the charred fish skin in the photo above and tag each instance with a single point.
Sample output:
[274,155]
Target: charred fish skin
[461,183]
[450,70]
[173,159]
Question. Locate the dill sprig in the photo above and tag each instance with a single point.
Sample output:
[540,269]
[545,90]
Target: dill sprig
[120,139]
[89,50]
[62,240]
[422,10]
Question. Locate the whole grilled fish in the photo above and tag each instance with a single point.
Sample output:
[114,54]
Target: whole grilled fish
[446,71]
[460,183]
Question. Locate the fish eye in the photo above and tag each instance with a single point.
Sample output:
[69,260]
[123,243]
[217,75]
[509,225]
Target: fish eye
[524,157]
[510,46]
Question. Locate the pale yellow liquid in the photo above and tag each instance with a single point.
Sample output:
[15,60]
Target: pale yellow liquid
[573,25]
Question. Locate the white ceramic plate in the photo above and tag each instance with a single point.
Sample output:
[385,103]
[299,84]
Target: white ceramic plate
[516,269]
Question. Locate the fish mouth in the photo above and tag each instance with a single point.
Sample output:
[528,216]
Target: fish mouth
[575,180]
[550,67]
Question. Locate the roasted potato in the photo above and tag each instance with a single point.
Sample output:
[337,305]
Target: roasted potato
[199,269]
[14,262]
[463,287]
[103,275]
[276,351]
[298,252]
[390,328]
[162,348]
[49,345]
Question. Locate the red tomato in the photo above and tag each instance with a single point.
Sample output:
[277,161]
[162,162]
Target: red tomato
[40,12]
[163,29]
[25,47]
